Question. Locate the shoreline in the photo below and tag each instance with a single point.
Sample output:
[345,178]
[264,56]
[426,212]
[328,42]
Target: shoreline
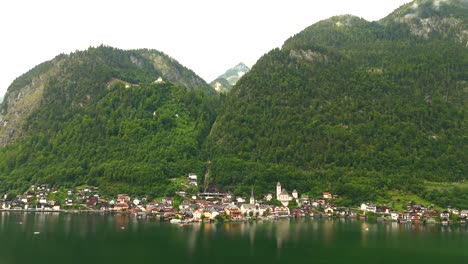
[61,211]
[260,219]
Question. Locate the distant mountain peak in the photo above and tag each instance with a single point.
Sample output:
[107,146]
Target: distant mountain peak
[225,82]
[241,66]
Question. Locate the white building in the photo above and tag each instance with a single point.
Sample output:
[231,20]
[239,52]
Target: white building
[366,207]
[247,208]
[43,200]
[282,195]
[252,198]
[278,190]
[294,194]
[159,80]
[284,198]
[192,177]
[240,199]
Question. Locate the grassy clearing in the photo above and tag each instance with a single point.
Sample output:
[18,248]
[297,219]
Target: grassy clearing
[399,200]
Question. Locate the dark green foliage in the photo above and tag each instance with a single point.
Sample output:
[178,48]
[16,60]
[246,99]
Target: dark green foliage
[95,125]
[347,106]
[354,107]
[132,140]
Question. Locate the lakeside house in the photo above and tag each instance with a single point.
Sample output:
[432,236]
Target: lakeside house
[123,198]
[233,211]
[367,207]
[247,209]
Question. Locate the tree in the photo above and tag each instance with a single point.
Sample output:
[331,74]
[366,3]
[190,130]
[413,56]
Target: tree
[219,218]
[293,204]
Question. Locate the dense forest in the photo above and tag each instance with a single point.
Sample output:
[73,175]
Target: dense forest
[104,121]
[132,140]
[365,110]
[354,107]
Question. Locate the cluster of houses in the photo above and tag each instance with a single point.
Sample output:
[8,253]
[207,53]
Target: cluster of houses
[415,213]
[36,198]
[221,206]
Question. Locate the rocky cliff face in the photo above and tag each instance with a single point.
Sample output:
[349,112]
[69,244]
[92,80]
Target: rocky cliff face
[178,74]
[426,18]
[23,98]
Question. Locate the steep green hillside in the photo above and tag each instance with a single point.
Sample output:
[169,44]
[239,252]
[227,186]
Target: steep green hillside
[371,111]
[131,140]
[353,107]
[70,82]
[100,118]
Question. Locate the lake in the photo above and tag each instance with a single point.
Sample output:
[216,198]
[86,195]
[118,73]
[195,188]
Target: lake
[97,238]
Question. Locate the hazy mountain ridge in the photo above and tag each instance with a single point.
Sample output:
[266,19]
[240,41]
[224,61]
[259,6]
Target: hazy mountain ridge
[226,81]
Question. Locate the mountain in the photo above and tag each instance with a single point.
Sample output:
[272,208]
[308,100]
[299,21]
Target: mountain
[127,121]
[82,78]
[221,85]
[362,109]
[371,111]
[225,82]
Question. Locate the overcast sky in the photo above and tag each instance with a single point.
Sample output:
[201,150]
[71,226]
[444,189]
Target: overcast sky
[207,36]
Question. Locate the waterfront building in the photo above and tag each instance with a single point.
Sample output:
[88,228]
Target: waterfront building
[278,190]
[284,198]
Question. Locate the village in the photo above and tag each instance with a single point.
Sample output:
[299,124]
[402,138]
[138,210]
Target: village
[220,206]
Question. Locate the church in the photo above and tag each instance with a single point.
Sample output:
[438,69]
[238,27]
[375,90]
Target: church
[283,196]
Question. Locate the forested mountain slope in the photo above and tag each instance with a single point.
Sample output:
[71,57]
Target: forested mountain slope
[82,78]
[99,117]
[353,106]
[360,109]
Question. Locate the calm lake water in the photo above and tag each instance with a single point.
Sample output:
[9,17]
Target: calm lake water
[95,238]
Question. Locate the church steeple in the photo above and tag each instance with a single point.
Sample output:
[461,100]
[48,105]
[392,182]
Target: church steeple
[278,190]
[252,199]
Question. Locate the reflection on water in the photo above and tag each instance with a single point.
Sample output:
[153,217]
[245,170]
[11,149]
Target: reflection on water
[192,238]
[281,230]
[106,235]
